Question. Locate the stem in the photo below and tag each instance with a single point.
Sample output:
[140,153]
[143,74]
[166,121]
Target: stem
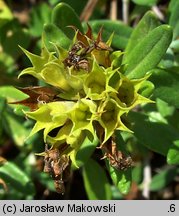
[158,13]
[147,178]
[88,10]
[113,10]
[68,187]
[125,11]
[2,182]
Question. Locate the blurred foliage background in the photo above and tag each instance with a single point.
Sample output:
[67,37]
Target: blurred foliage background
[154,146]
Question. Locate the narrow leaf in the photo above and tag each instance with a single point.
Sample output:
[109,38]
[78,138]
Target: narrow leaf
[173,153]
[145,2]
[161,180]
[18,179]
[157,136]
[172,5]
[2,105]
[148,53]
[96,182]
[146,24]
[174,17]
[166,86]
[86,151]
[5,13]
[63,16]
[38,16]
[122,179]
[15,129]
[11,93]
[53,34]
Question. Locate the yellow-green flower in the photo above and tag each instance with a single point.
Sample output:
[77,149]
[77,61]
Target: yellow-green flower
[92,93]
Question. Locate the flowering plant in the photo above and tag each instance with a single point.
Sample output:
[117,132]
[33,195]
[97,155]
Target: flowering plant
[90,89]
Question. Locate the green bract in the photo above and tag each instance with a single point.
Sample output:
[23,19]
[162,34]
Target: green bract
[93,95]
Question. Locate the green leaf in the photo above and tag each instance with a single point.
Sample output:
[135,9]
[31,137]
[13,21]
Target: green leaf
[7,66]
[121,145]
[173,21]
[137,173]
[78,6]
[172,5]
[166,86]
[175,45]
[11,93]
[173,153]
[53,34]
[157,136]
[44,179]
[146,89]
[15,129]
[163,179]
[5,13]
[164,109]
[16,178]
[148,22]
[13,194]
[96,182]
[63,16]
[39,15]
[86,150]
[53,2]
[148,53]
[168,60]
[2,105]
[12,35]
[2,108]
[145,2]
[116,195]
[122,179]
[121,32]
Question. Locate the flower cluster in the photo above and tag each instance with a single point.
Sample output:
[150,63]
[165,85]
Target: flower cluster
[90,96]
